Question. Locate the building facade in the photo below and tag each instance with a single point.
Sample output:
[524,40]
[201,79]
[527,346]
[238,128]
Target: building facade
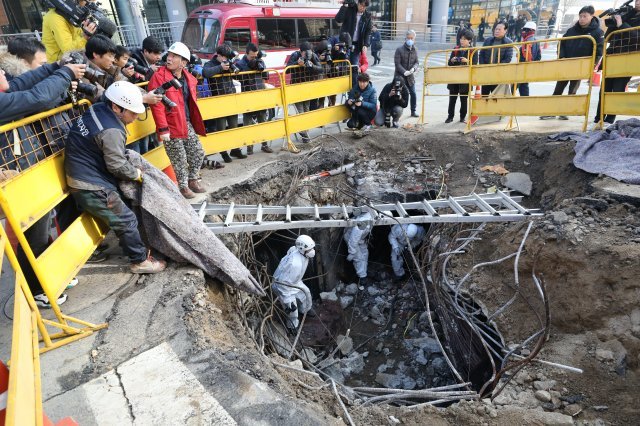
[491,10]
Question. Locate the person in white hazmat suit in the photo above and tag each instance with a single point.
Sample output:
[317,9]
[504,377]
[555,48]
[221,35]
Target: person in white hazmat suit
[356,238]
[415,233]
[287,280]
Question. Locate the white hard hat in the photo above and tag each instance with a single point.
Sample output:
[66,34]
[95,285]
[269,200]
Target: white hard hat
[304,243]
[126,95]
[530,26]
[180,49]
[411,230]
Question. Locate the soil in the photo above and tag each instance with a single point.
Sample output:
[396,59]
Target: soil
[586,247]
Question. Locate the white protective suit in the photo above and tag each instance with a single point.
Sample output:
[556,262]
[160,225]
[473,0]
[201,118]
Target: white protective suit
[399,243]
[288,285]
[356,239]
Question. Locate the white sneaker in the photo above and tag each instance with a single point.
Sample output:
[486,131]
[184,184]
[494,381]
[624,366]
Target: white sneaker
[73,283]
[43,301]
[366,128]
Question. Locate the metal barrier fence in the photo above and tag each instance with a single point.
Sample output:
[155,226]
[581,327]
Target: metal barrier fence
[24,396]
[168,32]
[395,30]
[512,74]
[618,67]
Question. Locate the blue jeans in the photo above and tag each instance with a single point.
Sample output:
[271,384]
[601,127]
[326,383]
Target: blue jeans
[141,146]
[107,206]
[413,96]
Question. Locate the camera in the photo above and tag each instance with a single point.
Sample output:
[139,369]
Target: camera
[387,120]
[308,55]
[90,74]
[356,98]
[163,89]
[622,10]
[397,87]
[258,64]
[195,67]
[76,14]
[133,62]
[87,89]
[232,67]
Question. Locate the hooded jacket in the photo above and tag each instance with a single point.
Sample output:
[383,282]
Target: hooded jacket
[174,120]
[405,59]
[582,47]
[368,96]
[348,17]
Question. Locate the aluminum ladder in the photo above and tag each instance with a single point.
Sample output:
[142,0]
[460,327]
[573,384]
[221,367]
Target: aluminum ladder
[474,208]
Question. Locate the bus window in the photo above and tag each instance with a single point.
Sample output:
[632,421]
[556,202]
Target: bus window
[238,38]
[313,30]
[276,33]
[201,34]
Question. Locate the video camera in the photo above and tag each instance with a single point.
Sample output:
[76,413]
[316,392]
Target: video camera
[356,98]
[163,89]
[133,62]
[622,10]
[91,12]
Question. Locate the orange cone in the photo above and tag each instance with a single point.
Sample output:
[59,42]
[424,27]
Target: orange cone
[476,95]
[169,172]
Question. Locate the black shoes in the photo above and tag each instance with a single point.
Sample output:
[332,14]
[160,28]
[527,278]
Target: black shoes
[448,120]
[236,152]
[225,157]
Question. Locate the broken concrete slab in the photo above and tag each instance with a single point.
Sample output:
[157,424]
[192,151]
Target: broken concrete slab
[622,192]
[518,181]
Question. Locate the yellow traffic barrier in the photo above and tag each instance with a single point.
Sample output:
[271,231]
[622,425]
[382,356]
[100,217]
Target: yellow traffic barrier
[619,65]
[30,196]
[295,92]
[530,72]
[24,394]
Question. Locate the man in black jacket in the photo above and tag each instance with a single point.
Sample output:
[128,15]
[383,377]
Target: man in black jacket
[393,99]
[252,61]
[356,21]
[309,68]
[587,24]
[149,55]
[618,44]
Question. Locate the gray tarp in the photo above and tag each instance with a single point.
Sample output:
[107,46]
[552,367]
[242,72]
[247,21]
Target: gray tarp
[175,230]
[614,152]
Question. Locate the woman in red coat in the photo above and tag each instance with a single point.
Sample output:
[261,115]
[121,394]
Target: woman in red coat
[179,127]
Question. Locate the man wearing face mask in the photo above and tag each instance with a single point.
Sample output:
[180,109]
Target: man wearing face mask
[287,281]
[406,61]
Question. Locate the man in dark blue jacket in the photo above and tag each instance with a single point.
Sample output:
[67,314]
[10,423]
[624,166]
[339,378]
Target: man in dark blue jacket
[39,90]
[250,82]
[496,55]
[362,103]
[95,161]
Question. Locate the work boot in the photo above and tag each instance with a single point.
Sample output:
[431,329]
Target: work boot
[414,114]
[563,117]
[196,186]
[250,150]
[187,193]
[267,149]
[225,157]
[149,266]
[236,152]
[449,119]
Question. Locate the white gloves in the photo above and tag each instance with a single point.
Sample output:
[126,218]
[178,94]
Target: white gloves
[165,137]
[408,73]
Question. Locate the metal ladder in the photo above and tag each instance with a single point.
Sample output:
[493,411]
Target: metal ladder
[474,208]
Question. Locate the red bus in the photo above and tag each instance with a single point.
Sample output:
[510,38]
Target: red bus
[276,29]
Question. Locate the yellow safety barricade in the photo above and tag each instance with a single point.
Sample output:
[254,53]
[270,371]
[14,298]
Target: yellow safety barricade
[24,394]
[328,85]
[31,195]
[529,72]
[616,65]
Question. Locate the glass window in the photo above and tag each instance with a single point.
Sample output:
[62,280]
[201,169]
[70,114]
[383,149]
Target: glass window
[201,34]
[313,30]
[238,38]
[277,34]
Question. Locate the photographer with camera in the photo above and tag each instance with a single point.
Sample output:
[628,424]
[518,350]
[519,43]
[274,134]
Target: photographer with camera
[127,66]
[309,68]
[587,24]
[362,104]
[252,61]
[148,56]
[222,65]
[393,99]
[624,17]
[357,22]
[179,126]
[406,63]
[460,57]
[59,35]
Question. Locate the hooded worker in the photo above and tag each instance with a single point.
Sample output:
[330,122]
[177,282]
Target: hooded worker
[415,234]
[356,239]
[287,280]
